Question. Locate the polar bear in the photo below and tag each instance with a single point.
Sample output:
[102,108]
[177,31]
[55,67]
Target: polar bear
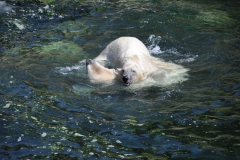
[132,62]
[99,74]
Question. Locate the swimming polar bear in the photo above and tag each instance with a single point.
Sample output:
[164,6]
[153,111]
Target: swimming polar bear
[133,63]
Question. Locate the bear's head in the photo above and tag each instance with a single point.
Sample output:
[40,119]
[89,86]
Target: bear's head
[132,73]
[99,74]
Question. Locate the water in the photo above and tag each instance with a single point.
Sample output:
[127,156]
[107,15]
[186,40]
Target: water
[49,110]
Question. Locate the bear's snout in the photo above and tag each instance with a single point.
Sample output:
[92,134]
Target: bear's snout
[89,61]
[125,80]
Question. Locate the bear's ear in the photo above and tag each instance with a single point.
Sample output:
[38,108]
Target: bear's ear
[145,74]
[116,72]
[119,70]
[119,73]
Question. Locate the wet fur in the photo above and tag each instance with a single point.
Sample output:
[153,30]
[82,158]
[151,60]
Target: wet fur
[129,53]
[95,73]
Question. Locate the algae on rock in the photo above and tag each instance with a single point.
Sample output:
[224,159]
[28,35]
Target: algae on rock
[62,51]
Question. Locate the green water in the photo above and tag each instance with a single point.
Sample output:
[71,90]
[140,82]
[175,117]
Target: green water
[49,109]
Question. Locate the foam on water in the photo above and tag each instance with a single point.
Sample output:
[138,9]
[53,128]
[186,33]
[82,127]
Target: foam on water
[154,49]
[163,78]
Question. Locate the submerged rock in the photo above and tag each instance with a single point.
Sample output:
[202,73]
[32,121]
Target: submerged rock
[219,18]
[82,89]
[62,48]
[4,7]
[62,51]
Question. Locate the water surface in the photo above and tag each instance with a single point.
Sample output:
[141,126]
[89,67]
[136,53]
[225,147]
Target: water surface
[49,109]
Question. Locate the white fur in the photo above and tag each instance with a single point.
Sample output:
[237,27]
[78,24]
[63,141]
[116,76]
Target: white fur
[99,74]
[129,52]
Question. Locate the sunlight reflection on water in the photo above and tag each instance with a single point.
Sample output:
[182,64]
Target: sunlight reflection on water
[49,110]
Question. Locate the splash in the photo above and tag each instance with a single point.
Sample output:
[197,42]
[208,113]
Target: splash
[81,66]
[154,48]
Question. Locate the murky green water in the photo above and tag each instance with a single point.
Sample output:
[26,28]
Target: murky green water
[49,110]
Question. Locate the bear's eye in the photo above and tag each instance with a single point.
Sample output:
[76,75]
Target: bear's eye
[133,71]
[122,70]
